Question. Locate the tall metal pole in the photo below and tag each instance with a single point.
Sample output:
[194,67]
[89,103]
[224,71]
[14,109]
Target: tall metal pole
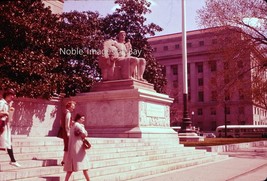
[186,122]
[225,120]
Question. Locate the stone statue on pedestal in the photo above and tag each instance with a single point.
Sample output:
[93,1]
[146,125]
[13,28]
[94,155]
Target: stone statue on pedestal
[116,62]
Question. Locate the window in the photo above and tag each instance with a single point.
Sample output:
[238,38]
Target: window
[226,96]
[200,82]
[189,95]
[241,94]
[177,46]
[214,41]
[174,69]
[213,81]
[199,112]
[201,43]
[226,65]
[164,71]
[226,79]
[175,83]
[201,96]
[227,110]
[240,64]
[213,111]
[241,110]
[165,48]
[200,125]
[241,77]
[213,125]
[213,66]
[189,45]
[200,67]
[188,68]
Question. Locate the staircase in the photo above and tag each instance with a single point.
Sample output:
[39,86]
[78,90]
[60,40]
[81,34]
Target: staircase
[111,159]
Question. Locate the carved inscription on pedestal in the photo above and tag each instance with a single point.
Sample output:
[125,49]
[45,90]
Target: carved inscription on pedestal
[153,110]
[153,115]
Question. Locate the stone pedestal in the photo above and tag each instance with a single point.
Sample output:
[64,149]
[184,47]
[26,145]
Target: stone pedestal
[190,137]
[126,108]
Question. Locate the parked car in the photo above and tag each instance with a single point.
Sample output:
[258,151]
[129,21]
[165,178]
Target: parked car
[209,135]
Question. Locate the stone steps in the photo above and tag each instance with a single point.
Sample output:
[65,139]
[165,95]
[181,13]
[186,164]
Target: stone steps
[111,158]
[125,174]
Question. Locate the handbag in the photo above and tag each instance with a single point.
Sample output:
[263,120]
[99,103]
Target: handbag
[60,133]
[86,144]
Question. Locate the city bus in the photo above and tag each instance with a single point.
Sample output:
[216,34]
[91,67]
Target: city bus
[242,131]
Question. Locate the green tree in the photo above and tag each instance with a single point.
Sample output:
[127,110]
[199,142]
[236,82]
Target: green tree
[27,56]
[81,32]
[35,56]
[42,53]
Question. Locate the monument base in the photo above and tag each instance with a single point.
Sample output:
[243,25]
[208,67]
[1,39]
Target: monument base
[136,132]
[190,137]
[126,109]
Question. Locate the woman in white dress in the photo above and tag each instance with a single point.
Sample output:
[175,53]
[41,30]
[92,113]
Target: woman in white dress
[6,116]
[77,158]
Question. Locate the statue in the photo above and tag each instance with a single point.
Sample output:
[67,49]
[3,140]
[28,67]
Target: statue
[117,63]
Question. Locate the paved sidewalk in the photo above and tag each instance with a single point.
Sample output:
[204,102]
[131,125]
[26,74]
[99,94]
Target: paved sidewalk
[243,165]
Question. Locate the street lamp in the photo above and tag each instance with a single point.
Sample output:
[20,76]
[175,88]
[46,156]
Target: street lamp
[225,120]
[192,113]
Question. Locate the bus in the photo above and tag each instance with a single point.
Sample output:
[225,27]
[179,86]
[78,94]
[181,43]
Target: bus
[242,131]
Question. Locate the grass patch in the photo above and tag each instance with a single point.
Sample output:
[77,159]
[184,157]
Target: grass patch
[221,141]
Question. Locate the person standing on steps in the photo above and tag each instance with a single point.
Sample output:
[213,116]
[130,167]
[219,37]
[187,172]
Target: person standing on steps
[6,116]
[77,158]
[66,124]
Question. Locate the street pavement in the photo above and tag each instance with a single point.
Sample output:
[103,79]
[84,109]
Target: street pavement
[243,165]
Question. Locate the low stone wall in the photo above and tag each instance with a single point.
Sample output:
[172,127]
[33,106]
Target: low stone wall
[232,147]
[36,117]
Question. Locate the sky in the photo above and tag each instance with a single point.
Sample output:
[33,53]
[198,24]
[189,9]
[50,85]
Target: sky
[165,13]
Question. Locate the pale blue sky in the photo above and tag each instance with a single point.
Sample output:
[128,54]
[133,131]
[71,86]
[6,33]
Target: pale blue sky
[166,13]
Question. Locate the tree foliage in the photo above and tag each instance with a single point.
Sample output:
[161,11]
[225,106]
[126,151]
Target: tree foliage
[32,47]
[80,33]
[248,15]
[42,53]
[27,54]
[245,36]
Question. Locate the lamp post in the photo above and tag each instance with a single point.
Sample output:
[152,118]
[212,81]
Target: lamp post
[186,133]
[186,122]
[192,113]
[225,120]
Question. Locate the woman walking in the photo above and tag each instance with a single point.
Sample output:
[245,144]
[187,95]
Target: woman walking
[77,158]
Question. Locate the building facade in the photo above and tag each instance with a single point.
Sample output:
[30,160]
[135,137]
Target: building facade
[205,66]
